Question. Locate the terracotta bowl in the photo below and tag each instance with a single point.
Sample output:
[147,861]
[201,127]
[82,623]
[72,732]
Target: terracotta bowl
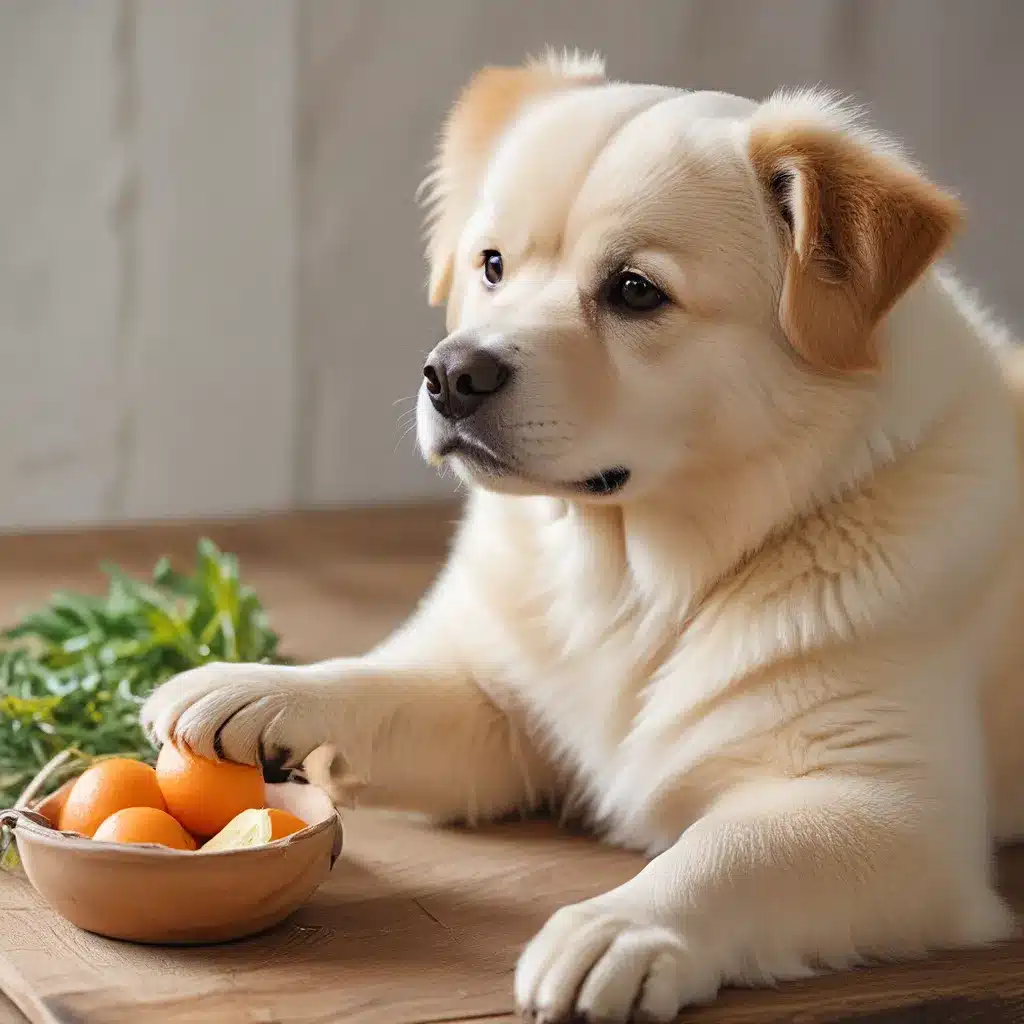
[154,894]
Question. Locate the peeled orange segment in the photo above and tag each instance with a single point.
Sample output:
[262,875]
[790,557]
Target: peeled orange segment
[250,828]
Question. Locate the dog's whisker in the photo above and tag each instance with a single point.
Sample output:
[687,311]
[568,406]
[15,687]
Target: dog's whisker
[405,433]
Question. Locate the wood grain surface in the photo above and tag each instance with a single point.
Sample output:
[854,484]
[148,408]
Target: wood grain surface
[9,1013]
[416,924]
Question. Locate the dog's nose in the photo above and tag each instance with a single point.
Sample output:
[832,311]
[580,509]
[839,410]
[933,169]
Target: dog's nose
[460,378]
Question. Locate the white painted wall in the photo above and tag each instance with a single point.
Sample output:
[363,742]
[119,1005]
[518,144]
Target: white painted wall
[211,331]
[210,272]
[147,259]
[59,254]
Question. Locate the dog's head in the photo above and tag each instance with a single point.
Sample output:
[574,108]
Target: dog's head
[643,283]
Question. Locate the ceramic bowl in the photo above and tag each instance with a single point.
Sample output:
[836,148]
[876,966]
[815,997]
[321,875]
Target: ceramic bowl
[153,894]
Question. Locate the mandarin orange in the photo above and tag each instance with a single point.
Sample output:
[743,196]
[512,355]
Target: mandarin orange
[106,787]
[284,823]
[144,825]
[205,795]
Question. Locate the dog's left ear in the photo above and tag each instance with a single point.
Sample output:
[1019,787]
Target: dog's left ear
[487,107]
[860,222]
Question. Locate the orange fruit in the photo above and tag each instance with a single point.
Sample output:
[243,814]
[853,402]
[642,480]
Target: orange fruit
[105,788]
[144,825]
[254,828]
[52,807]
[205,795]
[283,823]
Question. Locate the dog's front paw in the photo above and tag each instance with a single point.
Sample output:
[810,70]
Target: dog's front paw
[246,713]
[602,966]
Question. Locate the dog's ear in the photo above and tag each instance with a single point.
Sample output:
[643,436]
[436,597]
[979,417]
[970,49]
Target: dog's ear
[488,105]
[860,222]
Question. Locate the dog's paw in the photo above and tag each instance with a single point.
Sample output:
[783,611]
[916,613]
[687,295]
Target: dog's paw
[251,714]
[590,964]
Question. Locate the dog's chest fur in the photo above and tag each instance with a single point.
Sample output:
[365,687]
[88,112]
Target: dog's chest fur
[656,692]
[585,654]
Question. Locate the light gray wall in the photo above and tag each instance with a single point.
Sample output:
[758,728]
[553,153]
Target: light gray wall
[147,259]
[210,264]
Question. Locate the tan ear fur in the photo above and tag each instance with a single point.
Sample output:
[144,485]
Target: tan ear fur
[864,225]
[487,106]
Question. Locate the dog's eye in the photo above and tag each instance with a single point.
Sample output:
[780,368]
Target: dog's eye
[494,267]
[630,292]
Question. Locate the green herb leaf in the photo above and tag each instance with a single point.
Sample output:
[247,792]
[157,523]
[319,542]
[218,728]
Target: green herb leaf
[74,674]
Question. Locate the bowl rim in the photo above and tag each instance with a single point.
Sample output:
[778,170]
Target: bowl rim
[51,836]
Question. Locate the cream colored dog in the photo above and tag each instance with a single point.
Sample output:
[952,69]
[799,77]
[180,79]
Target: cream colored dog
[739,572]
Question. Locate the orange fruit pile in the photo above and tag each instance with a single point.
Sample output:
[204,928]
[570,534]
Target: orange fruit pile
[180,804]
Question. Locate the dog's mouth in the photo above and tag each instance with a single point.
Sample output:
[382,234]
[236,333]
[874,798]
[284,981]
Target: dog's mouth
[482,458]
[477,454]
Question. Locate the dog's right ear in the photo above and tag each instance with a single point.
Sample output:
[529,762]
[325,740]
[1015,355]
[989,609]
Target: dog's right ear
[487,107]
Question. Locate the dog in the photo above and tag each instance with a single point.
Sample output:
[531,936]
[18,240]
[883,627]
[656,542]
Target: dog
[738,580]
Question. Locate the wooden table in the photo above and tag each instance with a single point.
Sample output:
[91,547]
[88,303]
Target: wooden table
[416,924]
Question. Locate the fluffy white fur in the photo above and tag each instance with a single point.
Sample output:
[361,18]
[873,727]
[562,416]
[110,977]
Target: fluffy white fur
[785,659]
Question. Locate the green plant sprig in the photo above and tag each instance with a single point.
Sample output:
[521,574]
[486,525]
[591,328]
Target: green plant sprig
[74,673]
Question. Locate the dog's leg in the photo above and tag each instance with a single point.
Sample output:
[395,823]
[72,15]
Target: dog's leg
[778,879]
[409,723]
